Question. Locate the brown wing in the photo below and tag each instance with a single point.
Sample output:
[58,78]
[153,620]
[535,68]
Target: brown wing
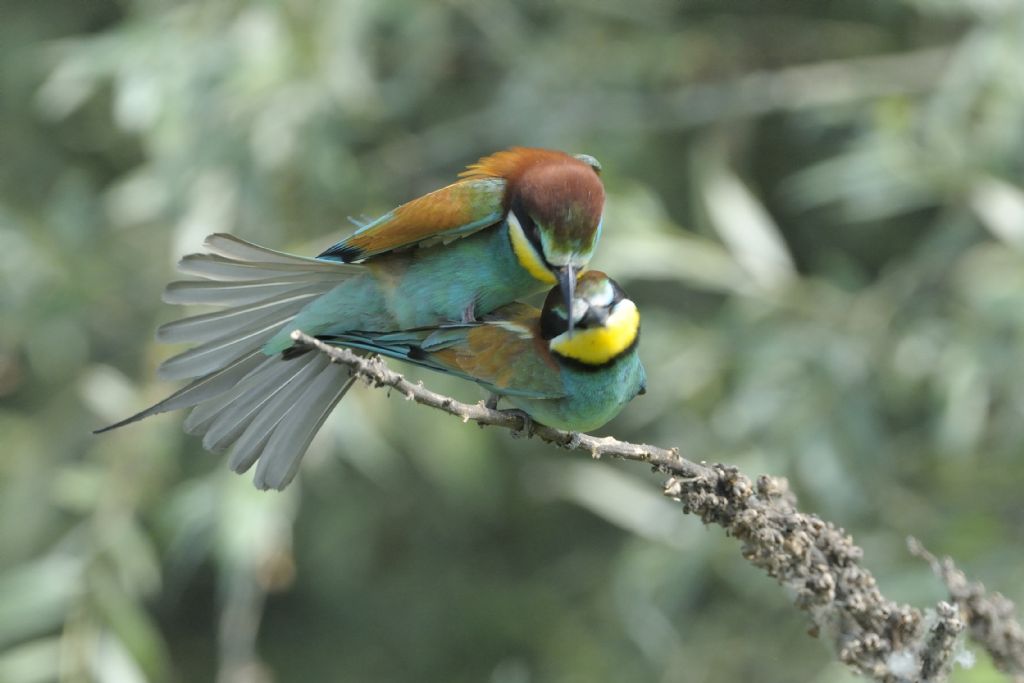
[475,202]
[441,216]
[504,353]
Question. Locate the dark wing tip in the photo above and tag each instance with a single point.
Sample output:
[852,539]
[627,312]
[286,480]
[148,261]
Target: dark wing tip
[342,252]
[122,423]
[148,412]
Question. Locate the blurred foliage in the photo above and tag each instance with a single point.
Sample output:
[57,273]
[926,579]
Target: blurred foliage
[819,207]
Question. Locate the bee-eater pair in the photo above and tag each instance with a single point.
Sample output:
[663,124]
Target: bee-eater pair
[432,282]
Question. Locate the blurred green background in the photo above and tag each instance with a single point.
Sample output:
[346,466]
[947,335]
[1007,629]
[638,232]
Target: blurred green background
[819,207]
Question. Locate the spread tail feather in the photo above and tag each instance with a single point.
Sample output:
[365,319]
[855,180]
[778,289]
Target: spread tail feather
[265,408]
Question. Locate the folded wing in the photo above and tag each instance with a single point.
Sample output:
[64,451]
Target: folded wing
[448,214]
[503,353]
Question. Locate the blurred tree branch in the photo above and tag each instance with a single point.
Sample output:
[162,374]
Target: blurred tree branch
[817,561]
[990,618]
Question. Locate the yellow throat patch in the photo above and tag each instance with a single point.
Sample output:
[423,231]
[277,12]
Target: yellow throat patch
[527,256]
[599,345]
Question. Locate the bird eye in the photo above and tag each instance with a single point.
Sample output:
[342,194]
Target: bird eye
[529,226]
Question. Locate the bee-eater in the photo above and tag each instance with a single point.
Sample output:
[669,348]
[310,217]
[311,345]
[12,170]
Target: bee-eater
[515,223]
[528,357]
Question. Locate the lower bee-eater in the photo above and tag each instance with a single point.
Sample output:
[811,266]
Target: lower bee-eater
[527,356]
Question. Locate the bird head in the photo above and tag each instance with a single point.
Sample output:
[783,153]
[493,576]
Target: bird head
[607,323]
[554,204]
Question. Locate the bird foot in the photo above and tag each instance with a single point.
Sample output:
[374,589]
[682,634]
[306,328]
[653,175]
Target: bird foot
[528,423]
[492,401]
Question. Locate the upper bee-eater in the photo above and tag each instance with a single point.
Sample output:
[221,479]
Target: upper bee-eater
[528,357]
[514,224]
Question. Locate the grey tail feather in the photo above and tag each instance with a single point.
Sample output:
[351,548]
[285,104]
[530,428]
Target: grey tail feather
[200,390]
[269,408]
[272,415]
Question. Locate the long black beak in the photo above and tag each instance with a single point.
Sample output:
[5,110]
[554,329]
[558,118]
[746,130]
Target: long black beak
[567,283]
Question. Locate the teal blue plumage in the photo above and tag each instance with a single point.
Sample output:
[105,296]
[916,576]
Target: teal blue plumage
[517,352]
[590,398]
[407,292]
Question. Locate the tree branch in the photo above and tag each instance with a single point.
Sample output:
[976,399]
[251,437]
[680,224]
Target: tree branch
[817,561]
[990,618]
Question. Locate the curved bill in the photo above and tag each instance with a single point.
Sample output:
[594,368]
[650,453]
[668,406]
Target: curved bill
[567,283]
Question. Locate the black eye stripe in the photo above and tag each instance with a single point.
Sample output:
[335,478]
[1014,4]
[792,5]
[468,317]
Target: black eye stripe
[552,324]
[533,234]
[529,226]
[553,320]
